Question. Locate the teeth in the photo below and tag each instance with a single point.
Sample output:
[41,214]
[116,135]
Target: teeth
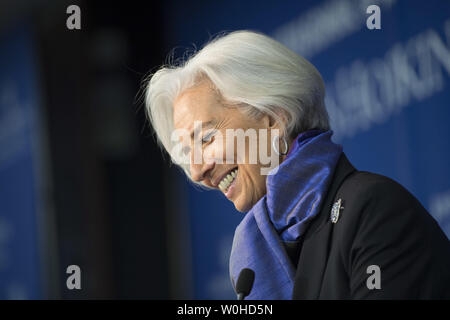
[225,183]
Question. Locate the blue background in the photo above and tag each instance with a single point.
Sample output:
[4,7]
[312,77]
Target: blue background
[20,264]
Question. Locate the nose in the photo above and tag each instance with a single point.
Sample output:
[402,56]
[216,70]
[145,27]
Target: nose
[200,172]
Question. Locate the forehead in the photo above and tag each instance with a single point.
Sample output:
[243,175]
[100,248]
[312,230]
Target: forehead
[199,103]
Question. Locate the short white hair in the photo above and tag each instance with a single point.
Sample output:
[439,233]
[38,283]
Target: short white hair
[249,70]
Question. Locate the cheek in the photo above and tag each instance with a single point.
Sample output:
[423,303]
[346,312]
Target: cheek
[251,180]
[251,188]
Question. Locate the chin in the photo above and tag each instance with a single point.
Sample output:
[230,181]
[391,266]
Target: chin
[242,207]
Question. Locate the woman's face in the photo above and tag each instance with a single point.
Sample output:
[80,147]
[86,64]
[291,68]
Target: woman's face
[244,184]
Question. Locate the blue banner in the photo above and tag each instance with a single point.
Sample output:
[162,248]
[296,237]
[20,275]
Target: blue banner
[20,272]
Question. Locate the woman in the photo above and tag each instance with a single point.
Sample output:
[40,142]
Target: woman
[315,227]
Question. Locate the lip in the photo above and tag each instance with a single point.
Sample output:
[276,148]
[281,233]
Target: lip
[217,181]
[230,192]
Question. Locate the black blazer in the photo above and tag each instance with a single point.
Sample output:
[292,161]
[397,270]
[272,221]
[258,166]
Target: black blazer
[380,224]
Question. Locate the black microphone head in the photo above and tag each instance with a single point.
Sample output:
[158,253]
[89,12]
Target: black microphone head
[245,281]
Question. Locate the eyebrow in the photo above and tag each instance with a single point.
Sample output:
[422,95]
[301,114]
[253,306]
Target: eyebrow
[204,125]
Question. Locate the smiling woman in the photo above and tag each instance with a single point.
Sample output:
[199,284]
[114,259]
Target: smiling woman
[244,80]
[237,178]
[254,87]
[248,70]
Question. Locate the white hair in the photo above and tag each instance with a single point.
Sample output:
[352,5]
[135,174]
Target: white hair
[249,70]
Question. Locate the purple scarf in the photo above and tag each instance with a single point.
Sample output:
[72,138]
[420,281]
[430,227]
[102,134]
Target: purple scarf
[294,197]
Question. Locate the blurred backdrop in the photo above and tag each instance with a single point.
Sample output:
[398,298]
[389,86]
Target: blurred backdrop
[82,181]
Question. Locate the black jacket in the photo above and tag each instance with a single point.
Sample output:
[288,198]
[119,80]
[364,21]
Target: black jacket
[380,224]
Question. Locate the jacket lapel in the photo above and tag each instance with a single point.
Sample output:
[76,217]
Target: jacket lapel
[316,241]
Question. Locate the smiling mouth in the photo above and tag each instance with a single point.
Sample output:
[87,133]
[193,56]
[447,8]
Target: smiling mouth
[226,182]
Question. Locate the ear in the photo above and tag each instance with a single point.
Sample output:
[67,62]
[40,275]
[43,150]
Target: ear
[272,122]
[282,119]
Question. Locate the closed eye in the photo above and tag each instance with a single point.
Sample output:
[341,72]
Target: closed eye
[208,137]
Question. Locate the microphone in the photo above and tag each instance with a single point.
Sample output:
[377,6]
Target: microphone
[244,283]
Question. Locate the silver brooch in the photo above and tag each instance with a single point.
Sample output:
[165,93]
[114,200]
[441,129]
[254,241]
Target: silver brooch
[335,210]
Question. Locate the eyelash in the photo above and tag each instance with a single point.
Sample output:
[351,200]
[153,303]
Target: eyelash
[207,138]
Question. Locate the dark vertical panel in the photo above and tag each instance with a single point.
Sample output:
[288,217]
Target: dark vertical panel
[82,222]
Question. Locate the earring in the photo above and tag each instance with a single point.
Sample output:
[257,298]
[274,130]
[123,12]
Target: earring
[285,146]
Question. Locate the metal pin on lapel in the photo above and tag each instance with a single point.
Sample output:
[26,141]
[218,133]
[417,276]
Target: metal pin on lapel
[335,210]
